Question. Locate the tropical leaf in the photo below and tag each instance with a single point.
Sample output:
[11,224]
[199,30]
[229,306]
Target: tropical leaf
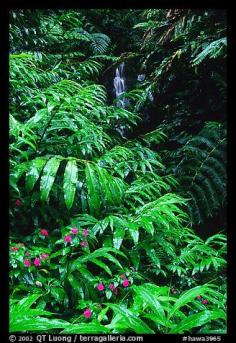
[70,180]
[34,172]
[89,328]
[48,177]
[187,297]
[133,323]
[197,319]
[93,190]
[23,318]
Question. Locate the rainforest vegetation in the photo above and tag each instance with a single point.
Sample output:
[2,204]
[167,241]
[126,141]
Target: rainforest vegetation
[117,171]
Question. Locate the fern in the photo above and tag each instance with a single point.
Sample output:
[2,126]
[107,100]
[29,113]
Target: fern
[201,170]
[95,258]
[101,189]
[99,41]
[214,49]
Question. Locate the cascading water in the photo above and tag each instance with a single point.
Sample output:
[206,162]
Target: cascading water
[119,84]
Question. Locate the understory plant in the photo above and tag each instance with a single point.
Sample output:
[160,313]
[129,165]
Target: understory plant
[102,237]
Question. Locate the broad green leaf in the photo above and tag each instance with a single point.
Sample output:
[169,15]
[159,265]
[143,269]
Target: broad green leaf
[157,291]
[118,237]
[90,328]
[150,299]
[157,319]
[187,297]
[60,252]
[100,253]
[58,293]
[85,273]
[198,319]
[134,232]
[25,303]
[48,177]
[112,259]
[104,179]
[102,265]
[102,314]
[36,324]
[70,180]
[135,258]
[92,184]
[18,171]
[133,322]
[33,174]
[76,285]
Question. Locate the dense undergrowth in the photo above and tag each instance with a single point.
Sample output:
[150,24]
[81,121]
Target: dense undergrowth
[103,225]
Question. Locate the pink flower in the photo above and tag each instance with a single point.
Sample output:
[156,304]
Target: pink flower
[83,244]
[67,239]
[43,256]
[37,262]
[44,232]
[198,297]
[204,302]
[14,248]
[74,231]
[100,287]
[111,286]
[27,263]
[18,202]
[85,232]
[125,283]
[87,313]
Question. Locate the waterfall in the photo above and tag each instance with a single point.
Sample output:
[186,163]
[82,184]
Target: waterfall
[119,84]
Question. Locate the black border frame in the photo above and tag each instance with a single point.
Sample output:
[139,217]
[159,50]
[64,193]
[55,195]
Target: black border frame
[4,126]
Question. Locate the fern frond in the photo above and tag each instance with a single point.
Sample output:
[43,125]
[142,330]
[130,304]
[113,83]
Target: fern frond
[211,50]
[201,170]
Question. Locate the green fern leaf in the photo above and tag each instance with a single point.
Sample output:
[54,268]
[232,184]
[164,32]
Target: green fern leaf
[92,184]
[48,177]
[70,180]
[34,172]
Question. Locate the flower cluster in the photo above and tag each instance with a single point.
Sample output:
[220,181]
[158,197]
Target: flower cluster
[73,233]
[204,301]
[37,261]
[111,286]
[125,283]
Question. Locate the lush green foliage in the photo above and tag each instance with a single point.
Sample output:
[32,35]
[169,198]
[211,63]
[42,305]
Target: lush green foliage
[103,221]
